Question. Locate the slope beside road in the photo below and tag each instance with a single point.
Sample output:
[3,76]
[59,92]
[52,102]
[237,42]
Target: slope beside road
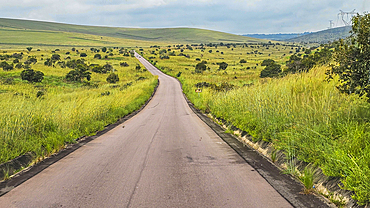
[165,156]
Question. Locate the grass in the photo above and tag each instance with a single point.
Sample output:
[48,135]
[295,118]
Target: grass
[78,34]
[67,110]
[300,114]
[307,180]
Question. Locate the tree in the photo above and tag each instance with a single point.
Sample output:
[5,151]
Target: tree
[352,56]
[78,74]
[104,49]
[124,64]
[107,68]
[32,76]
[6,66]
[267,62]
[138,67]
[272,70]
[112,78]
[55,57]
[29,49]
[97,56]
[200,67]
[223,66]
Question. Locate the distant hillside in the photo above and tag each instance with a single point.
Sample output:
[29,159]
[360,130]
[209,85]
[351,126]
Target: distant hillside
[170,35]
[278,36]
[323,36]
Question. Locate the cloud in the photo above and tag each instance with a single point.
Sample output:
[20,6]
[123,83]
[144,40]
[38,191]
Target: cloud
[234,16]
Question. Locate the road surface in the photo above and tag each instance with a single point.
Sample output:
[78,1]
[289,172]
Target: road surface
[165,156]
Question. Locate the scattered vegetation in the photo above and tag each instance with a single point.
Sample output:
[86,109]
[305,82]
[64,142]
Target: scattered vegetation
[48,106]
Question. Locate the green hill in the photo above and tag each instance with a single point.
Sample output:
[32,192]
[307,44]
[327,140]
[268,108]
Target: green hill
[23,32]
[323,36]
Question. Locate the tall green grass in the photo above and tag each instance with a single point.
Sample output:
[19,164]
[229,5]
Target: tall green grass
[45,125]
[304,113]
[67,110]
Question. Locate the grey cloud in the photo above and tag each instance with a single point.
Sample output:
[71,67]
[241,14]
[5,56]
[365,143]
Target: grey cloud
[234,16]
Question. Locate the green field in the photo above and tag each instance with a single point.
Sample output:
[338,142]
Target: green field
[23,32]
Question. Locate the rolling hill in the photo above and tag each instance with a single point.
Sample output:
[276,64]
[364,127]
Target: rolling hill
[323,36]
[23,32]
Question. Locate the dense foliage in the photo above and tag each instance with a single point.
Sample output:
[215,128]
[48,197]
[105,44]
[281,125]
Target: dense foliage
[353,59]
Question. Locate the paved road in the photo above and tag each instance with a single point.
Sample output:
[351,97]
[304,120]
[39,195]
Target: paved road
[163,157]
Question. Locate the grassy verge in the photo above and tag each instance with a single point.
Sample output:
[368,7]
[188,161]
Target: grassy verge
[300,114]
[65,110]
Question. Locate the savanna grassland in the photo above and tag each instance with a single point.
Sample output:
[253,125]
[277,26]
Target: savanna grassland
[42,117]
[301,114]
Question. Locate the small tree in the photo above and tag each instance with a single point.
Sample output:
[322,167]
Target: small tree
[78,74]
[272,70]
[124,64]
[97,56]
[200,67]
[223,66]
[112,78]
[138,67]
[243,61]
[107,68]
[32,76]
[267,62]
[6,66]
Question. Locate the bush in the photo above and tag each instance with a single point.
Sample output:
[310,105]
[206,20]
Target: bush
[6,66]
[83,55]
[243,61]
[271,70]
[97,56]
[200,67]
[112,78]
[32,76]
[78,74]
[267,62]
[223,66]
[124,64]
[107,68]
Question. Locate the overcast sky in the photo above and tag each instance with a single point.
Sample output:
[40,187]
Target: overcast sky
[233,16]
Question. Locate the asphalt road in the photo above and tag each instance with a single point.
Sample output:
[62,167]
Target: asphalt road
[165,156]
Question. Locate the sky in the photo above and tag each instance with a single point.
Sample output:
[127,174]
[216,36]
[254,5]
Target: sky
[232,16]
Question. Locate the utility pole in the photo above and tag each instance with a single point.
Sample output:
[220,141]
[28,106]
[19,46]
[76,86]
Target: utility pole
[331,24]
[348,20]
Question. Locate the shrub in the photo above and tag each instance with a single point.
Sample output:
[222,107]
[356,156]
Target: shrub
[271,70]
[112,78]
[78,74]
[223,66]
[32,75]
[200,67]
[97,56]
[83,55]
[6,66]
[243,61]
[124,64]
[107,68]
[48,62]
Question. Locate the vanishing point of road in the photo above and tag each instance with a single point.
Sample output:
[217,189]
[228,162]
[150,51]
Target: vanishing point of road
[165,156]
